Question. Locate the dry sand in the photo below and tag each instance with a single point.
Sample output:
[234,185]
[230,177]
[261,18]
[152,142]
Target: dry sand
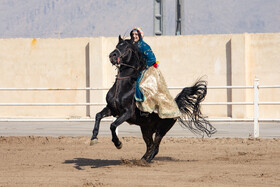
[70,161]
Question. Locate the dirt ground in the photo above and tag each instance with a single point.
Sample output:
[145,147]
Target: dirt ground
[70,161]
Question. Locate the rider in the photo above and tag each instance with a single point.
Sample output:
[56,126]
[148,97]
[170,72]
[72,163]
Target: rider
[137,36]
[152,94]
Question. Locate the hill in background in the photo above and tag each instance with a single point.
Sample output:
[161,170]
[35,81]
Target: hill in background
[91,18]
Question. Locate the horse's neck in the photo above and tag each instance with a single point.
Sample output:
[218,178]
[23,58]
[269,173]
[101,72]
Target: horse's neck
[139,63]
[131,70]
[127,72]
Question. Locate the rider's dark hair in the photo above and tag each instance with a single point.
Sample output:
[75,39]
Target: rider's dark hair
[139,34]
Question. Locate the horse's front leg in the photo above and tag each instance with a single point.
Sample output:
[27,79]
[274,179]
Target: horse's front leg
[104,113]
[125,116]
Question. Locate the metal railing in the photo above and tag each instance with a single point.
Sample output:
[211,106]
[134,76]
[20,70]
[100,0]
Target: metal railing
[256,104]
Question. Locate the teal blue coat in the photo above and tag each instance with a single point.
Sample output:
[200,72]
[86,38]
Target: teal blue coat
[150,59]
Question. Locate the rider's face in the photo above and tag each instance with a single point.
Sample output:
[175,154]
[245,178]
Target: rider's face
[135,36]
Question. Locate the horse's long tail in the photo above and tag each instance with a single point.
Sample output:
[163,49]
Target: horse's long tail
[188,101]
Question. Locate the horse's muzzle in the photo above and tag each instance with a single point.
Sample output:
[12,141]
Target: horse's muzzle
[113,58]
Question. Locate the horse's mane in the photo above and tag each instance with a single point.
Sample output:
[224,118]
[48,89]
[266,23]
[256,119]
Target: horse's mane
[138,53]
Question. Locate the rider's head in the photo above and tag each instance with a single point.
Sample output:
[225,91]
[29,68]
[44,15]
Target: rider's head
[136,34]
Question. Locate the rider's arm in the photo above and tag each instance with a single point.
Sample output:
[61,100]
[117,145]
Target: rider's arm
[147,53]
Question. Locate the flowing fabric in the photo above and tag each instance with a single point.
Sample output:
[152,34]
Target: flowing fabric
[139,96]
[150,59]
[157,96]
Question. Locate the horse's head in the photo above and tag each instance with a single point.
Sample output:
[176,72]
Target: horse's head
[127,54]
[122,52]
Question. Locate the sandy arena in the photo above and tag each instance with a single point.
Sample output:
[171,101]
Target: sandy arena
[70,161]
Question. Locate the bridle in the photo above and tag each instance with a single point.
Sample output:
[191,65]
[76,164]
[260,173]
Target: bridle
[119,64]
[122,55]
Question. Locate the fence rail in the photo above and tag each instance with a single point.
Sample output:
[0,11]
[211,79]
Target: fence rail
[256,104]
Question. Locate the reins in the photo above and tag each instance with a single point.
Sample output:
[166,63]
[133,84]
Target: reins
[118,66]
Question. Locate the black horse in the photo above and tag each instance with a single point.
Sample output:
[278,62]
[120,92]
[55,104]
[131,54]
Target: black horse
[121,103]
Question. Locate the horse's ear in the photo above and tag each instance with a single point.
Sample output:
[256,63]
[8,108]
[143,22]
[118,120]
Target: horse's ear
[120,38]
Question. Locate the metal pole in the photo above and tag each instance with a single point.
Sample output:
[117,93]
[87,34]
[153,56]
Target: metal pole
[178,18]
[256,108]
[158,17]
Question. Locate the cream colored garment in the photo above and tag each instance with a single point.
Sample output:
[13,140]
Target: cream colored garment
[157,96]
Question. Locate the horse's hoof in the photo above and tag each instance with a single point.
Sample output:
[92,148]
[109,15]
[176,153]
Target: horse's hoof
[92,142]
[119,146]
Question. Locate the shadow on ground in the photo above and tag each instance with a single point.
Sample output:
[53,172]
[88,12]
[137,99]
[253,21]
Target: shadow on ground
[99,163]
[93,163]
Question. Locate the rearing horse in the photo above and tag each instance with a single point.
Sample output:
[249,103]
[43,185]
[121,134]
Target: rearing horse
[122,105]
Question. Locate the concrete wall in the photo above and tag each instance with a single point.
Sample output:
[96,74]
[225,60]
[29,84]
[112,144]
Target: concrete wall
[80,62]
[42,63]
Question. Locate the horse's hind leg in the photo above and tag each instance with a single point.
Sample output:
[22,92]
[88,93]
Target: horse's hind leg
[147,134]
[104,113]
[162,128]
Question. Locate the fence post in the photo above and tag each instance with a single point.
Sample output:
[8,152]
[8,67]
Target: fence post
[256,108]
